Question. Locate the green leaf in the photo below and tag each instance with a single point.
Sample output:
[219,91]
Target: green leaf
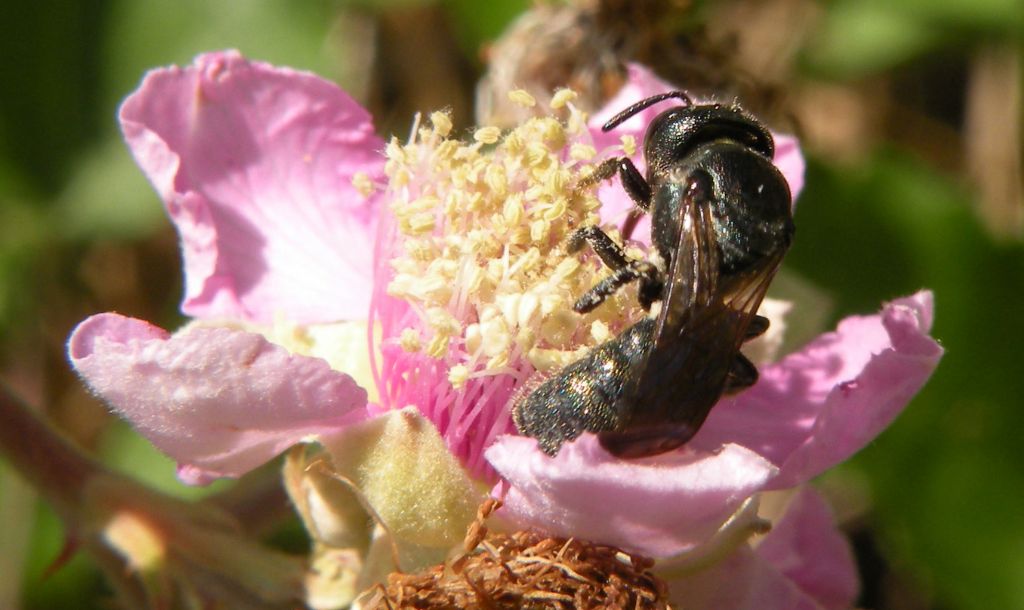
[124,450]
[476,27]
[146,35]
[946,476]
[857,38]
[107,197]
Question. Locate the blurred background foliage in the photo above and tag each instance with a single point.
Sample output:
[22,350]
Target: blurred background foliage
[910,112]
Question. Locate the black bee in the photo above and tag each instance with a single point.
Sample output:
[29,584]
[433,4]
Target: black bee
[721,222]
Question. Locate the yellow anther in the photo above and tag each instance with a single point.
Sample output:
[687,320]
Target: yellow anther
[552,302]
[522,98]
[554,134]
[487,135]
[519,236]
[446,151]
[508,305]
[495,337]
[498,362]
[514,143]
[362,183]
[566,268]
[538,230]
[537,154]
[582,152]
[513,210]
[440,320]
[528,310]
[395,151]
[437,347]
[424,204]
[473,279]
[496,180]
[473,338]
[560,326]
[550,360]
[458,375]
[577,122]
[482,230]
[442,123]
[561,98]
[418,224]
[628,145]
[420,250]
[410,340]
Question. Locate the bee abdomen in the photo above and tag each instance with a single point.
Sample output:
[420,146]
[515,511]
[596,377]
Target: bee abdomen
[584,396]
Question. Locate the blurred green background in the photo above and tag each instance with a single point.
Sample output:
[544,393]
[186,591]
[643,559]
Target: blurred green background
[911,116]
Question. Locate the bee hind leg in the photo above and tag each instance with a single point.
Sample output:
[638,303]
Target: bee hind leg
[757,327]
[742,375]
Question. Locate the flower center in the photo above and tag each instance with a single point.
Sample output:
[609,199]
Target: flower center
[474,286]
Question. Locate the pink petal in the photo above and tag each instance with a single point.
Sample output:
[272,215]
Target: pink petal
[255,166]
[642,83]
[790,161]
[217,400]
[806,547]
[743,581]
[657,506]
[820,405]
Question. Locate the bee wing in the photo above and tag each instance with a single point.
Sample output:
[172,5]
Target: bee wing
[743,295]
[685,325]
[693,271]
[699,330]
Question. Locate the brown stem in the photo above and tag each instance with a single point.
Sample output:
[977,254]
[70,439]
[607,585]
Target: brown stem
[42,455]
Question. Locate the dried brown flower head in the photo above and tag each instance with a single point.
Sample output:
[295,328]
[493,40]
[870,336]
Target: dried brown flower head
[525,570]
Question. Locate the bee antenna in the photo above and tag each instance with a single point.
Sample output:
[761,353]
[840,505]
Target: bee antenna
[618,119]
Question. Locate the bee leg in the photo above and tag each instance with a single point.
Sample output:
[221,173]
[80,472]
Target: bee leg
[624,270]
[651,286]
[634,184]
[610,252]
[743,374]
[757,327]
[605,170]
[632,180]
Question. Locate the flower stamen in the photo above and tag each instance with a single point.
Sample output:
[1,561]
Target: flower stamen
[477,270]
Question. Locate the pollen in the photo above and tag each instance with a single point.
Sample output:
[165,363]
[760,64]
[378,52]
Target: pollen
[479,252]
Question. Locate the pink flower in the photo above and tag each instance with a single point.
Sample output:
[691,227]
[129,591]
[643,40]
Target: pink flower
[269,176]
[255,166]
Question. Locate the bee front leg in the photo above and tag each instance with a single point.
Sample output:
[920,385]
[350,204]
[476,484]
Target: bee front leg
[632,180]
